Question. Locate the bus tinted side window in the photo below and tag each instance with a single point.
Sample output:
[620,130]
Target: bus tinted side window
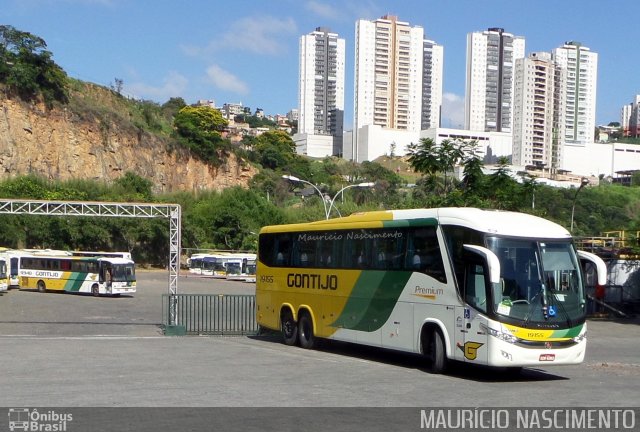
[424,253]
[456,237]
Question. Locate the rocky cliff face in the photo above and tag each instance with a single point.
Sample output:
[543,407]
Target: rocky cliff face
[58,145]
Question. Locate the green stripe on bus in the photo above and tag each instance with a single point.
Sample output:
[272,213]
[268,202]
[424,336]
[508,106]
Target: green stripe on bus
[373,298]
[568,333]
[75,282]
[409,223]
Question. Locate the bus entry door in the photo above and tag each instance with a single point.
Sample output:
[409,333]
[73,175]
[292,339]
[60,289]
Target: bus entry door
[471,337]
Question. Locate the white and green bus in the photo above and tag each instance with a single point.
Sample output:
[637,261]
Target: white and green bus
[97,276]
[478,286]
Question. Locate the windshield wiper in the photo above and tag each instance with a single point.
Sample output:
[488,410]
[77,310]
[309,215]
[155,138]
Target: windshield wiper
[557,302]
[532,305]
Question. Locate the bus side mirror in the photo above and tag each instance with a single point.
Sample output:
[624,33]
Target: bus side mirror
[493,263]
[601,267]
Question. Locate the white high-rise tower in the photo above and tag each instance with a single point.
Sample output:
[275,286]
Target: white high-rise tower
[491,57]
[432,65]
[321,93]
[581,67]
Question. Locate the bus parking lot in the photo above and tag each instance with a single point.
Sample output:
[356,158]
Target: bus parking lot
[78,351]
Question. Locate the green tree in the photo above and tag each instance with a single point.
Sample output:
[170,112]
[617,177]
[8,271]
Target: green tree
[199,129]
[503,188]
[275,150]
[135,187]
[171,107]
[27,67]
[473,178]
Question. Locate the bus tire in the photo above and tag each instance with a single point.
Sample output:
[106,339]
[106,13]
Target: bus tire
[435,351]
[41,286]
[305,331]
[95,290]
[289,328]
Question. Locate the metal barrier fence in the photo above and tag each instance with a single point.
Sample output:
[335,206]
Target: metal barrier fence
[211,314]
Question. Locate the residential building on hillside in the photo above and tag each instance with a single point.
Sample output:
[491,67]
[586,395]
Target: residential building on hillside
[538,98]
[230,110]
[292,115]
[321,94]
[491,57]
[581,66]
[206,102]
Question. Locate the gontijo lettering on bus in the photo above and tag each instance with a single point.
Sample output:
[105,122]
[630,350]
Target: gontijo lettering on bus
[316,281]
[41,273]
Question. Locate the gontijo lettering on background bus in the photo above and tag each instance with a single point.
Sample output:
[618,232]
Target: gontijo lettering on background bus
[428,280]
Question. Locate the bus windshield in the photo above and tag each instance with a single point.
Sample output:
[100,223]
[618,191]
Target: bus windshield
[540,281]
[124,272]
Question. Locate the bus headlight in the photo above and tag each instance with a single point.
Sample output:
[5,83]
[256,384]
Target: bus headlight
[506,337]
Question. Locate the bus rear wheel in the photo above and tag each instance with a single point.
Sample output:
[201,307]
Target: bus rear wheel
[305,331]
[289,328]
[42,287]
[95,290]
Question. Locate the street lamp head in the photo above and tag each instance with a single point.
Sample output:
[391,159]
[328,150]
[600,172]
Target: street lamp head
[290,178]
[365,185]
[584,181]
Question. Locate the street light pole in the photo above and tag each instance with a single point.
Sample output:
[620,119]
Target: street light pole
[583,183]
[298,180]
[341,191]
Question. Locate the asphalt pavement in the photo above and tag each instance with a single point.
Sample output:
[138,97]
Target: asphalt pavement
[65,350]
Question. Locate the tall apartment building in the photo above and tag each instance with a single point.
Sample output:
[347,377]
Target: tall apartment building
[321,87]
[634,118]
[538,98]
[625,118]
[388,74]
[432,65]
[491,57]
[581,67]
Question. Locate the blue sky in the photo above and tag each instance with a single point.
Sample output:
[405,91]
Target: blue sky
[247,51]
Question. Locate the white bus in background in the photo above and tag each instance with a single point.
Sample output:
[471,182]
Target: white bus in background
[4,274]
[215,265]
[194,263]
[242,267]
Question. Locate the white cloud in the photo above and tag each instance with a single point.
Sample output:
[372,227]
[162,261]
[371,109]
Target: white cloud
[225,80]
[452,111]
[323,10]
[259,35]
[173,85]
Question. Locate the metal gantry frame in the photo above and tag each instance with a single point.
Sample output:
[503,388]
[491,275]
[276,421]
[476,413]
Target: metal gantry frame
[173,212]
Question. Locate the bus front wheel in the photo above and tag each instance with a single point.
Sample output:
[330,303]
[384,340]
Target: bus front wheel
[42,287]
[435,351]
[95,290]
[305,331]
[289,328]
